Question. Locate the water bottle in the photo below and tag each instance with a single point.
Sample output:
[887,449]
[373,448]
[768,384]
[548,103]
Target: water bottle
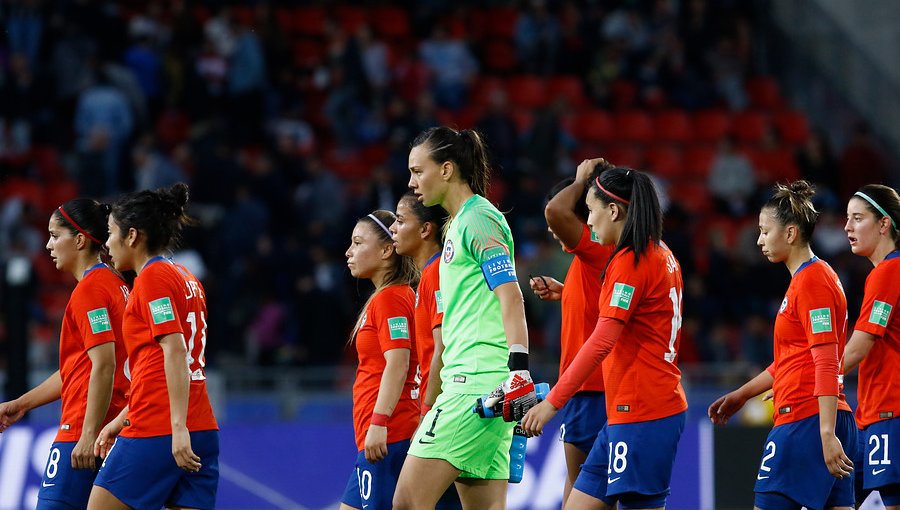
[485,408]
[517,454]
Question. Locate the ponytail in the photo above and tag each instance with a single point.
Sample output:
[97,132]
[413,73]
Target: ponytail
[792,205]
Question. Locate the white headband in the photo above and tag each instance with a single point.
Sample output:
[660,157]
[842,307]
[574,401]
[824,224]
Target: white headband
[380,224]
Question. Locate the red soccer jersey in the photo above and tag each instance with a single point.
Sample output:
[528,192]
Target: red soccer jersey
[642,379]
[385,326]
[166,299]
[581,293]
[814,312]
[429,315]
[879,379]
[93,317]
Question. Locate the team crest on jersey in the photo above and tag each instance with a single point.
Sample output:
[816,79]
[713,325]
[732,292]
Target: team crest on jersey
[783,305]
[449,251]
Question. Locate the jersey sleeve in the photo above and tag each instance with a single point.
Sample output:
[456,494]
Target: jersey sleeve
[881,294]
[393,320]
[92,313]
[815,308]
[433,302]
[623,287]
[489,243]
[159,300]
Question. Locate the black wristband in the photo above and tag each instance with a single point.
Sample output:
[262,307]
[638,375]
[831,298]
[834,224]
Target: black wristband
[518,361]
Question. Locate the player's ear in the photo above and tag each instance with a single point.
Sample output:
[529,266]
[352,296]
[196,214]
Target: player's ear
[790,232]
[426,230]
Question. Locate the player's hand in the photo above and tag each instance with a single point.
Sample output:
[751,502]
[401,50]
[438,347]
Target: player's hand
[839,465]
[534,420]
[10,412]
[83,456]
[107,438]
[546,288]
[376,443]
[725,406]
[181,450]
[768,396]
[518,395]
[586,168]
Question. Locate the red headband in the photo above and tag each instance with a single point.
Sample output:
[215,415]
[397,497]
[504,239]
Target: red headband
[613,195]
[78,227]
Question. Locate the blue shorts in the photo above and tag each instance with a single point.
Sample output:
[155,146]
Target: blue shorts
[632,463]
[880,467]
[371,486]
[582,419]
[63,486]
[141,472]
[793,465]
[859,471]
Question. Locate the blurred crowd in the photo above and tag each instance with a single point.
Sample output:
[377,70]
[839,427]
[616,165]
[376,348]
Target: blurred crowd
[290,119]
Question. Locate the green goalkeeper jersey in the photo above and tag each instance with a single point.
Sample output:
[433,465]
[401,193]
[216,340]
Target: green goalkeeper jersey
[477,256]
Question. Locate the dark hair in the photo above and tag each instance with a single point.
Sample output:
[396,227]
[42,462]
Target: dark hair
[643,216]
[90,216]
[581,209]
[434,214]
[889,200]
[159,214]
[793,205]
[465,148]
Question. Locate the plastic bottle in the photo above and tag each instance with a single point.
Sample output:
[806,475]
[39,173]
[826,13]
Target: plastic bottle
[520,441]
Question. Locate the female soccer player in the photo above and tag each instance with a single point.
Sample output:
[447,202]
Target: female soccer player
[585,414]
[168,413]
[873,216]
[418,231]
[385,411]
[636,338]
[90,381]
[812,418]
[484,333]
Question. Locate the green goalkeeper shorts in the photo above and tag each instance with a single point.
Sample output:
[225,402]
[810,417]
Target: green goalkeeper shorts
[479,447]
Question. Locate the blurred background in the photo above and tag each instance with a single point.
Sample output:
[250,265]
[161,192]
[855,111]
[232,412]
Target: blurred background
[291,119]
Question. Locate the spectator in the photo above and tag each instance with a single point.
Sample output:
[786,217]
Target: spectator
[537,37]
[452,67]
[731,181]
[861,162]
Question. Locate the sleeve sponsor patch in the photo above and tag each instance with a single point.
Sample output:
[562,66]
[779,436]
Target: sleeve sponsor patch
[161,310]
[438,301]
[99,320]
[881,312]
[399,328]
[621,296]
[820,320]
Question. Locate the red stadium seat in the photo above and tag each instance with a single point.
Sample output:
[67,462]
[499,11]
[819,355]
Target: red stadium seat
[58,193]
[285,19]
[47,163]
[390,22]
[634,126]
[310,21]
[523,120]
[481,91]
[750,126]
[624,94]
[771,166]
[500,57]
[711,125]
[526,91]
[673,126]
[350,17]
[309,53]
[501,22]
[244,15]
[27,190]
[693,196]
[698,160]
[624,155]
[792,126]
[665,162]
[764,93]
[593,126]
[570,87]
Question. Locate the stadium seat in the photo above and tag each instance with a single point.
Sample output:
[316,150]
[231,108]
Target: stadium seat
[692,195]
[664,161]
[27,190]
[764,93]
[285,18]
[749,126]
[711,125]
[673,126]
[484,86]
[390,22]
[308,53]
[633,126]
[47,162]
[501,22]
[57,193]
[500,57]
[593,126]
[526,91]
[351,17]
[624,94]
[244,15]
[772,166]
[310,21]
[523,119]
[792,126]
[624,155]
[569,87]
[698,160]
